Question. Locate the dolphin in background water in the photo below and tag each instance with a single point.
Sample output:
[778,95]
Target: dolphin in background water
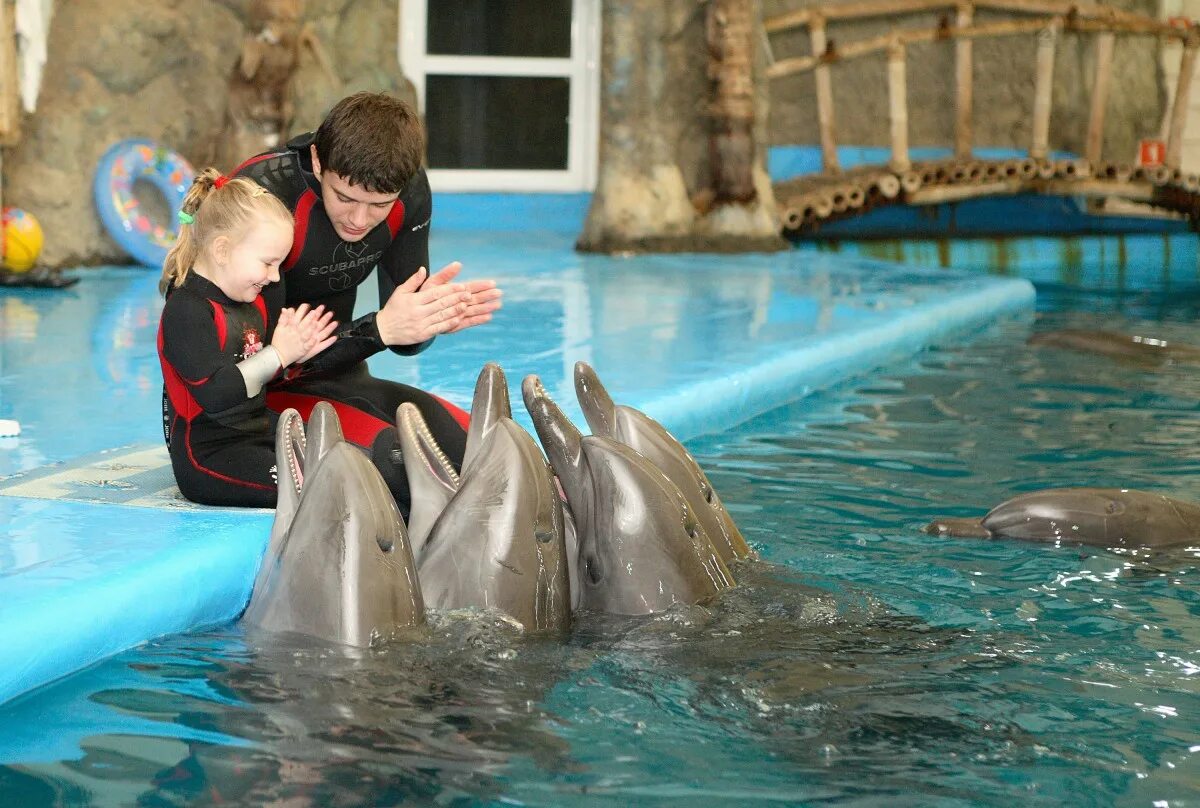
[641,548]
[338,565]
[1098,517]
[646,436]
[1135,349]
[492,538]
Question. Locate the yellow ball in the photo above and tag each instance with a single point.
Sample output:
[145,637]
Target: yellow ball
[20,239]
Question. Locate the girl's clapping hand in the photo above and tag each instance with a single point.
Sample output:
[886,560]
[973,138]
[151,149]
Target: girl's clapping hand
[302,333]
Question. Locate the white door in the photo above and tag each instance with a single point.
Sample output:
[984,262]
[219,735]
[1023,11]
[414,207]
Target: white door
[509,90]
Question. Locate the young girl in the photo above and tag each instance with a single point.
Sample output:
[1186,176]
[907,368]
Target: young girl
[219,344]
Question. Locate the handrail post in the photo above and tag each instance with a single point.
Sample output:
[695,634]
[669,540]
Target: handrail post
[1095,133]
[1047,42]
[1179,110]
[964,78]
[829,158]
[898,105]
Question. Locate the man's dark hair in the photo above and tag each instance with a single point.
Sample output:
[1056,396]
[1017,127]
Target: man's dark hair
[372,140]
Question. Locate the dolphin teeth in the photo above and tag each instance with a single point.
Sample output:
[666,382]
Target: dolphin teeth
[297,443]
[410,419]
[295,446]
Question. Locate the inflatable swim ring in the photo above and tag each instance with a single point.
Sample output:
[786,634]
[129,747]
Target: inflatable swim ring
[124,164]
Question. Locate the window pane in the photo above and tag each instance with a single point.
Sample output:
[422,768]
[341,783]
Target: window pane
[497,122]
[499,28]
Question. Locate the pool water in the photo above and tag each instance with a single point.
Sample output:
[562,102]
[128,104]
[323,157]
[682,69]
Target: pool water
[861,662]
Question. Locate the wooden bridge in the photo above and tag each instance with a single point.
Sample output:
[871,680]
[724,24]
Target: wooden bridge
[807,202]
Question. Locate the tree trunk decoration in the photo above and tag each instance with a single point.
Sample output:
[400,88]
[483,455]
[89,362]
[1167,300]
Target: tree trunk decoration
[641,197]
[676,126]
[729,32]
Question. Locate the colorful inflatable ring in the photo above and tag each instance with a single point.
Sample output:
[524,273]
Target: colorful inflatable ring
[123,165]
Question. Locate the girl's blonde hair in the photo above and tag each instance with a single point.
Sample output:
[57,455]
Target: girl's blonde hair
[214,208]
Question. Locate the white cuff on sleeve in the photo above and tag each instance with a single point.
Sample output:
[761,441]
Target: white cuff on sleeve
[259,369]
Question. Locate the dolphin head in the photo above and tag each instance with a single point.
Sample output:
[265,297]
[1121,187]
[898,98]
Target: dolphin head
[493,537]
[338,565]
[489,406]
[641,549]
[1100,517]
[648,437]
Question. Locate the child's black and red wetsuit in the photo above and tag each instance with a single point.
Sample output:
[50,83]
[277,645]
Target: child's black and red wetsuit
[222,443]
[324,269]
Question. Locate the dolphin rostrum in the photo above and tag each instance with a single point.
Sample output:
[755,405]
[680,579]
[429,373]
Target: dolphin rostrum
[641,548]
[492,538]
[1116,518]
[646,436]
[338,565]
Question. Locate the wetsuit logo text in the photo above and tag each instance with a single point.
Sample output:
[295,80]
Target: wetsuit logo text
[346,266]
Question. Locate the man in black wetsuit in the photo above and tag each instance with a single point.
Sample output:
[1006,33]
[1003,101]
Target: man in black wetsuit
[361,200]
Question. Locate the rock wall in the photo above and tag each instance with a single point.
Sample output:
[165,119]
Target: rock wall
[1003,87]
[125,68]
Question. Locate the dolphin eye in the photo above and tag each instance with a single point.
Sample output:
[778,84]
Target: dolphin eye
[543,536]
[592,569]
[693,531]
[708,493]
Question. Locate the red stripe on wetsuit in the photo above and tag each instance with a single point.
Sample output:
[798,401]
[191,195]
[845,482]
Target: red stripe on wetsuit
[303,213]
[358,427]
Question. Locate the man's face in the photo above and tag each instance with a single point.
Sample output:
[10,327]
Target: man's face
[353,210]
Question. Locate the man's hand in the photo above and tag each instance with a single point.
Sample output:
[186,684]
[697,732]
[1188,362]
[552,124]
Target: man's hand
[414,313]
[484,298]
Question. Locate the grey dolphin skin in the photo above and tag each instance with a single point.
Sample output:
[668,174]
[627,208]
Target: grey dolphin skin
[646,436]
[1133,348]
[1099,517]
[338,565]
[494,537]
[641,549]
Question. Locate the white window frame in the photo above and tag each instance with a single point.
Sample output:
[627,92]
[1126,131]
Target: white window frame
[581,70]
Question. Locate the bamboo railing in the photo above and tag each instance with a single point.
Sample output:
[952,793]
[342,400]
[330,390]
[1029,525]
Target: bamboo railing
[802,203]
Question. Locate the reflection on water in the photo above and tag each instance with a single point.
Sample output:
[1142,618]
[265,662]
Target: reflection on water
[95,340]
[456,712]
[861,662]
